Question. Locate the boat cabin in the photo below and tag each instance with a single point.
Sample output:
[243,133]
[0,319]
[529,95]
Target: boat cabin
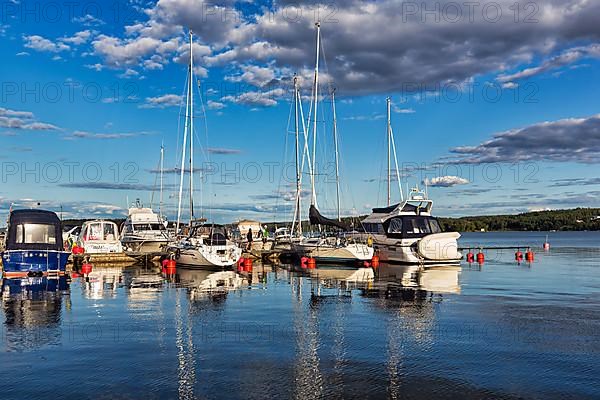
[212,234]
[34,230]
[100,236]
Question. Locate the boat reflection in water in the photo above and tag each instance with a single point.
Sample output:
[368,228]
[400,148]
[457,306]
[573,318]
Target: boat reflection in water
[203,284]
[342,279]
[411,280]
[32,308]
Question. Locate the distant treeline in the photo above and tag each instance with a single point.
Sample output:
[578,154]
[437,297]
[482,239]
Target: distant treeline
[578,219]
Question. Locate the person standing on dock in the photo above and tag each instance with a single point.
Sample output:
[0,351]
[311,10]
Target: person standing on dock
[250,238]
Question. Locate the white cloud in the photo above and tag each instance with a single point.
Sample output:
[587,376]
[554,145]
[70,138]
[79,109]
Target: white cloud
[40,43]
[215,105]
[23,120]
[256,98]
[89,20]
[445,181]
[79,38]
[164,101]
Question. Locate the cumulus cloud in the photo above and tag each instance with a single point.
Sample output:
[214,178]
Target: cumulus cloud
[445,181]
[23,120]
[164,101]
[89,20]
[78,38]
[567,57]
[215,105]
[256,98]
[254,75]
[40,43]
[571,139]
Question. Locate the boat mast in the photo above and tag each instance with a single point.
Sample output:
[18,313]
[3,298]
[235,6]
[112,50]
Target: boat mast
[184,147]
[313,201]
[191,91]
[337,164]
[298,177]
[162,166]
[389,152]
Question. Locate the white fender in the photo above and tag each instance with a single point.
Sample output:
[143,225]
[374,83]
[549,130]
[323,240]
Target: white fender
[439,246]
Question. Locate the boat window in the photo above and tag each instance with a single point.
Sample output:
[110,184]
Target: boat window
[374,228]
[395,225]
[109,232]
[435,225]
[94,232]
[149,227]
[36,233]
[416,225]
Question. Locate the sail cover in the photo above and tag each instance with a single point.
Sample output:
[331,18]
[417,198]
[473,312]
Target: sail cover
[317,219]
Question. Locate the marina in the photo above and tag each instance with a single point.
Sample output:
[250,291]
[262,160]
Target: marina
[310,333]
[356,200]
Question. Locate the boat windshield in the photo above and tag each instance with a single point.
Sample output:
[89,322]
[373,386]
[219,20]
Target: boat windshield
[420,225]
[412,226]
[36,233]
[149,227]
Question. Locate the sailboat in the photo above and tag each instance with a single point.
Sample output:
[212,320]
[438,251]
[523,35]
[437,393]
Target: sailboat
[407,232]
[203,245]
[339,248]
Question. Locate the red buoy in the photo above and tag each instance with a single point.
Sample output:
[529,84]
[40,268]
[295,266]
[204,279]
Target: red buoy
[529,255]
[375,261]
[312,263]
[248,264]
[519,255]
[171,267]
[470,257]
[480,258]
[304,262]
[86,268]
[78,250]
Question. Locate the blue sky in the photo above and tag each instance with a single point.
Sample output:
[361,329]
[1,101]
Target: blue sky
[497,109]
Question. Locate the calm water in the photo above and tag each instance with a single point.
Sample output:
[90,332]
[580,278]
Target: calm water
[501,330]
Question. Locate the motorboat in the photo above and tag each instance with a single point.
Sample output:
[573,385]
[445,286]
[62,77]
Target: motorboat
[34,244]
[100,237]
[407,233]
[144,231]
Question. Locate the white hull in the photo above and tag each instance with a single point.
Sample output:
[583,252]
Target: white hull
[208,256]
[144,246]
[335,253]
[424,251]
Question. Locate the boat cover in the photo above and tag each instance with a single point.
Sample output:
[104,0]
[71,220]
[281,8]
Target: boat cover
[19,217]
[317,219]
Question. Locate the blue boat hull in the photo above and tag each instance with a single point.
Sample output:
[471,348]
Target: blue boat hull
[19,263]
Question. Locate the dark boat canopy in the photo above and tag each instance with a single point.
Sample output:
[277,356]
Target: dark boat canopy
[317,219]
[34,230]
